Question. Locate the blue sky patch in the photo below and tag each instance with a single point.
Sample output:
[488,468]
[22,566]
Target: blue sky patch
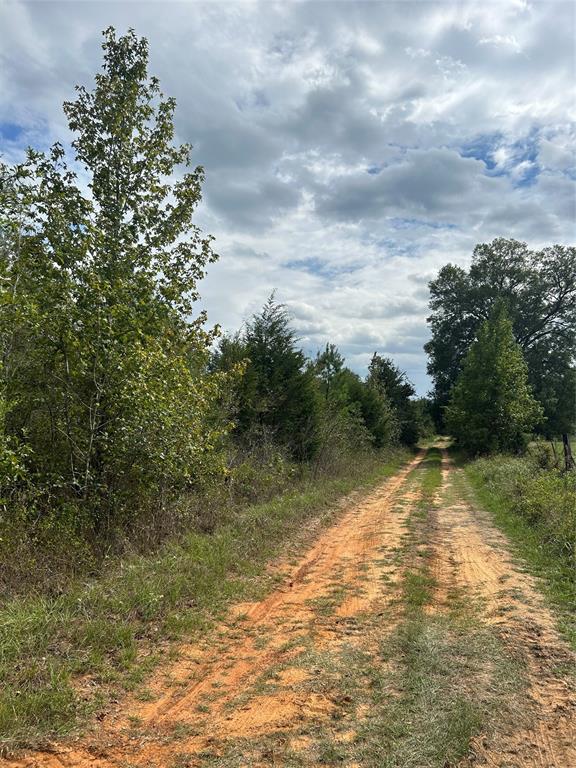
[403,223]
[319,267]
[485,147]
[11,131]
[482,148]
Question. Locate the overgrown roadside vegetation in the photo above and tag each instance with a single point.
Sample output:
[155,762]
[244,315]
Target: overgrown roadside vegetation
[535,504]
[148,464]
[117,399]
[63,656]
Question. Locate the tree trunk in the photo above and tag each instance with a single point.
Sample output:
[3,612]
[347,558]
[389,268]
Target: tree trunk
[568,458]
[553,446]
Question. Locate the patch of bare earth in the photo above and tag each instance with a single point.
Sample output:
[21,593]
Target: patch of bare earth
[246,682]
[471,555]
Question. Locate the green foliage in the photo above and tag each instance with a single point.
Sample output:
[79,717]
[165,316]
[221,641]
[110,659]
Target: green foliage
[492,407]
[276,397]
[535,504]
[314,410]
[553,377]
[539,288]
[544,497]
[390,381]
[423,415]
[104,382]
[372,406]
[366,409]
[112,407]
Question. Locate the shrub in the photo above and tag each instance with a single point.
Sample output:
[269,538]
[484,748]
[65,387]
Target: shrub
[546,498]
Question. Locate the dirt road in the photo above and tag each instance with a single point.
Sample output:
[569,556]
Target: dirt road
[406,636]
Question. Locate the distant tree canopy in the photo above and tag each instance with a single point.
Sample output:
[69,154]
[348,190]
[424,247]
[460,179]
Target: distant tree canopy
[492,407]
[277,391]
[539,290]
[344,389]
[306,405]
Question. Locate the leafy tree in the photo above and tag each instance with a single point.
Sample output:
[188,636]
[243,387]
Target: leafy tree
[345,429]
[343,389]
[539,288]
[105,366]
[385,376]
[229,354]
[552,375]
[423,416]
[492,407]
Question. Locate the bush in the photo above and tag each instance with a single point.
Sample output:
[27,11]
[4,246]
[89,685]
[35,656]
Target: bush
[544,497]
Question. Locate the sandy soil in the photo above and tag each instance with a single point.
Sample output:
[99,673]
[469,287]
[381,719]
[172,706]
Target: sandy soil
[472,555]
[212,694]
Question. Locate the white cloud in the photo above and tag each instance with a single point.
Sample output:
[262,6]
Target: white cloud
[334,137]
[502,40]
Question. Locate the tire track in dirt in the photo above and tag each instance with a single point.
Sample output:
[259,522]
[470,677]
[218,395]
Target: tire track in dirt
[472,555]
[211,693]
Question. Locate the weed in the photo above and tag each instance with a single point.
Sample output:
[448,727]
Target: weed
[536,509]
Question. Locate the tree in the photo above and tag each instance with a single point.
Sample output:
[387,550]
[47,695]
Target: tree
[423,418]
[328,366]
[277,391]
[104,363]
[344,390]
[539,288]
[385,376]
[492,407]
[374,407]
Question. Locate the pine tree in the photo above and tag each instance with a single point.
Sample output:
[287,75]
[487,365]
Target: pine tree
[385,376]
[278,392]
[492,407]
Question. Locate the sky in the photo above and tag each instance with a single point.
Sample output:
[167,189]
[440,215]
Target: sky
[350,148]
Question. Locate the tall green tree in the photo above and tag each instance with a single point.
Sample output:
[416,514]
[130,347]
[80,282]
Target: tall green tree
[277,392]
[374,407]
[385,376]
[492,407]
[328,367]
[12,454]
[106,360]
[539,288]
[344,390]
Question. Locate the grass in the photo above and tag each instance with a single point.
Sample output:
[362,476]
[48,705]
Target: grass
[451,674]
[554,566]
[432,471]
[447,678]
[96,631]
[454,682]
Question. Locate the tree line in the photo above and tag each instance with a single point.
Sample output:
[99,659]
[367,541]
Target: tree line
[115,395]
[503,346]
[313,407]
